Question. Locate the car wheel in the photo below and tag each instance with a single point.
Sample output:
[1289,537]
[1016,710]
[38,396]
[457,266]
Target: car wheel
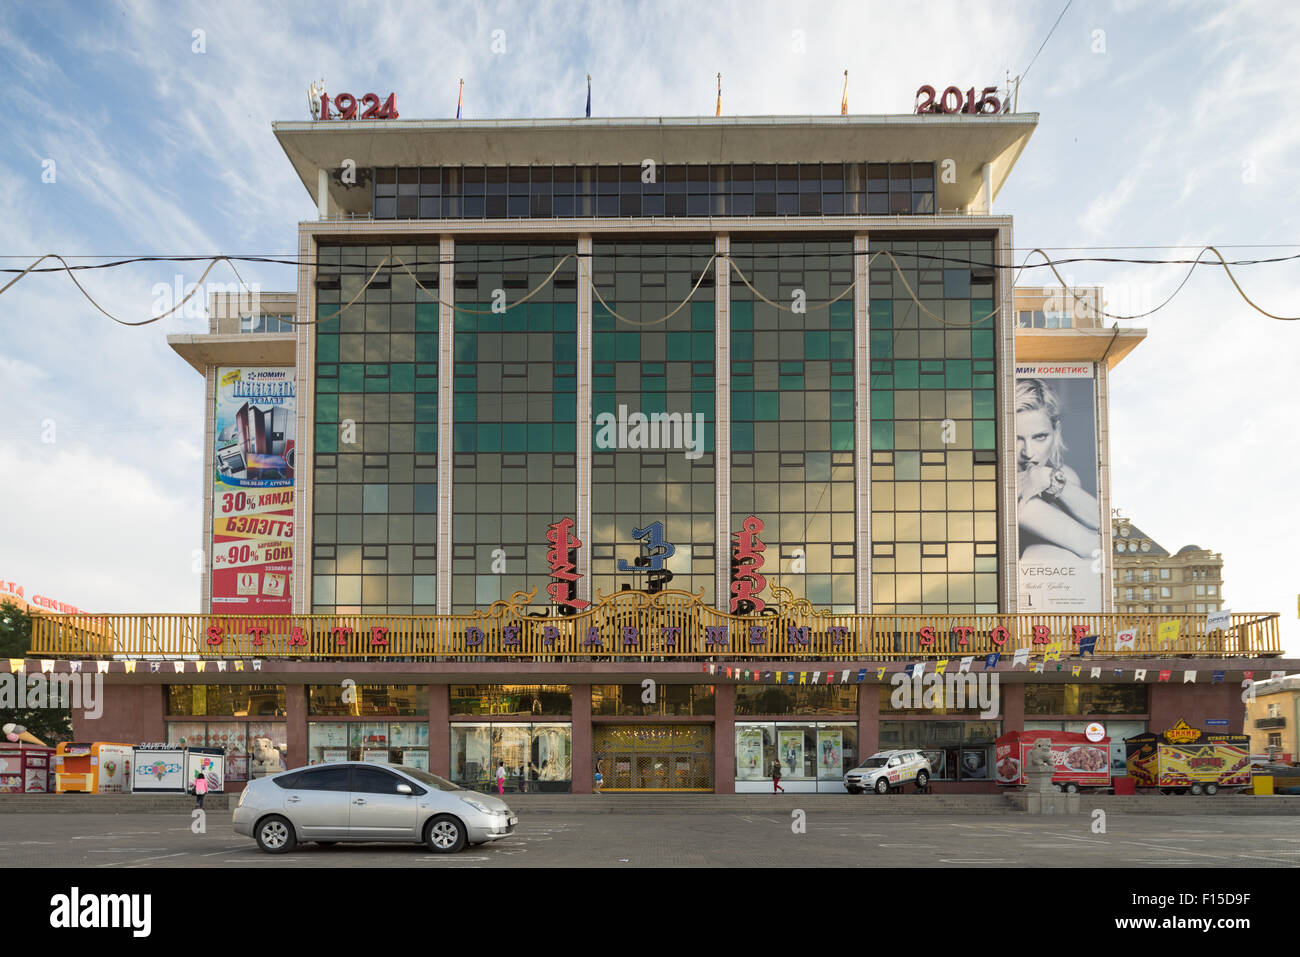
[1196,789]
[922,778]
[882,785]
[1072,789]
[275,835]
[1211,789]
[444,834]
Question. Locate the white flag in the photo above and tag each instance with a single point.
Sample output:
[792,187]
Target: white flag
[919,669]
[1140,675]
[816,676]
[102,666]
[1038,667]
[1096,673]
[1189,676]
[844,677]
[47,665]
[221,666]
[966,663]
[1021,657]
[257,665]
[178,666]
[1218,621]
[1124,640]
[1278,674]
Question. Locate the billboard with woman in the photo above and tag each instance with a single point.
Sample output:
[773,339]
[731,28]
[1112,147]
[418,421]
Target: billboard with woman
[1058,512]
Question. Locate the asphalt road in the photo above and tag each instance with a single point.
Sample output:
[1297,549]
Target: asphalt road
[688,840]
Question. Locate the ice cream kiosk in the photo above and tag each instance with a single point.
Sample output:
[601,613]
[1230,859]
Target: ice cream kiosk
[99,768]
[24,768]
[1186,760]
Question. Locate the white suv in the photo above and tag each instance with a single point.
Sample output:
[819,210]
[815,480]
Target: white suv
[888,769]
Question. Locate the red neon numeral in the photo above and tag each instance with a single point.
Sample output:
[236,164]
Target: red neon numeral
[943,101]
[372,109]
[348,111]
[970,101]
[928,105]
[389,110]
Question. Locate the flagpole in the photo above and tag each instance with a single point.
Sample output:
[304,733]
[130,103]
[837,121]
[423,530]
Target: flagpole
[844,100]
[588,96]
[719,110]
[460,96]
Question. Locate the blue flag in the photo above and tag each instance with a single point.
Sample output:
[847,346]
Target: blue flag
[862,675]
[1216,678]
[991,661]
[1088,646]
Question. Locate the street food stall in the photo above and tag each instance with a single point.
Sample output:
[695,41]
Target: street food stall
[1186,760]
[1078,761]
[101,767]
[25,768]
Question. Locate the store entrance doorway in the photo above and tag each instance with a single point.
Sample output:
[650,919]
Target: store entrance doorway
[643,757]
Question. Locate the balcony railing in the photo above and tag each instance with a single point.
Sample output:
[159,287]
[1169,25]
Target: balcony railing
[629,626]
[1270,724]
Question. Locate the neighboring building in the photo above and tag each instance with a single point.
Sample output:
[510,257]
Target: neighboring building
[504,473]
[1273,716]
[1147,579]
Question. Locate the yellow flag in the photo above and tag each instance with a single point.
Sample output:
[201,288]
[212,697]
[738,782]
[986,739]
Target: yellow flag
[1168,631]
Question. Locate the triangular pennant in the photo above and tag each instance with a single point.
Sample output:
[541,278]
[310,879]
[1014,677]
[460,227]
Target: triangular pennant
[1075,669]
[1096,673]
[880,673]
[129,665]
[221,666]
[844,677]
[76,666]
[102,666]
[1189,677]
[199,666]
[1140,674]
[257,665]
[1038,667]
[991,660]
[918,669]
[817,676]
[17,664]
[941,666]
[155,666]
[47,665]
[1216,678]
[966,662]
[178,666]
[1165,675]
[1021,657]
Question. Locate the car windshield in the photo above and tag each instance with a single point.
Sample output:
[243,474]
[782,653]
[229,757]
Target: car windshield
[874,762]
[424,777]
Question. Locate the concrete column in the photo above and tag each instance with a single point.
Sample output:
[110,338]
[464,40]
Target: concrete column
[446,373]
[722,421]
[305,450]
[1013,705]
[868,720]
[1004,336]
[862,424]
[1103,488]
[323,193]
[295,734]
[988,189]
[209,445]
[440,729]
[583,446]
[724,739]
[583,766]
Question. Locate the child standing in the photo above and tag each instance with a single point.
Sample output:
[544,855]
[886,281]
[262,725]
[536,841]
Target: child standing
[200,787]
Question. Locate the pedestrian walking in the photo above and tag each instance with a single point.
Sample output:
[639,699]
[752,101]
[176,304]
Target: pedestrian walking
[501,778]
[599,776]
[200,788]
[776,776]
[523,780]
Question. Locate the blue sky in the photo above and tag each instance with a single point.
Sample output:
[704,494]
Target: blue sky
[1161,124]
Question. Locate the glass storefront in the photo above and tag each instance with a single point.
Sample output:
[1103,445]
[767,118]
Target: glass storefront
[253,748]
[388,742]
[813,755]
[958,750]
[796,699]
[612,700]
[537,756]
[1085,700]
[511,699]
[238,701]
[653,757]
[359,700]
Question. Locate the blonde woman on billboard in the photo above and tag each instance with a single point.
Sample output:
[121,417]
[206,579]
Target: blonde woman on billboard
[1058,516]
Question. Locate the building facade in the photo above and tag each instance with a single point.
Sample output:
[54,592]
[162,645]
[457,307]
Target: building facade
[1147,578]
[660,447]
[1272,717]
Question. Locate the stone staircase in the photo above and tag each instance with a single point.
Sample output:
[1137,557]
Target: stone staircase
[112,803]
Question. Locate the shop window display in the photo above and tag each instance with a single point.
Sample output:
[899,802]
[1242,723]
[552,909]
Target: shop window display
[388,742]
[537,757]
[796,699]
[253,748]
[607,700]
[511,699]
[814,756]
[358,700]
[958,750]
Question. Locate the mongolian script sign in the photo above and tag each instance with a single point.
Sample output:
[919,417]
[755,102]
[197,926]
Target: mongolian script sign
[747,556]
[560,556]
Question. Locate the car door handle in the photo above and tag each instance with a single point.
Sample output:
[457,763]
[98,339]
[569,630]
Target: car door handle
[359,801]
[292,800]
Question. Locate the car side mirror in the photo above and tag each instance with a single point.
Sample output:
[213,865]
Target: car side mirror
[404,789]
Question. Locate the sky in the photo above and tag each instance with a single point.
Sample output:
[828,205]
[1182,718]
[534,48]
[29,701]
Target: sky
[141,128]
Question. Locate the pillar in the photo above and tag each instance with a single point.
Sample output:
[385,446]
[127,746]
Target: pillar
[295,732]
[583,766]
[1013,705]
[868,721]
[440,730]
[724,739]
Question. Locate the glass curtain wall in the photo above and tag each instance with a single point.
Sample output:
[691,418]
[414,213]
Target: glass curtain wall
[376,431]
[652,410]
[792,414]
[515,415]
[933,428]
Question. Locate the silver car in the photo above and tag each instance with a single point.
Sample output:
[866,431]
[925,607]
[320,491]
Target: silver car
[355,801]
